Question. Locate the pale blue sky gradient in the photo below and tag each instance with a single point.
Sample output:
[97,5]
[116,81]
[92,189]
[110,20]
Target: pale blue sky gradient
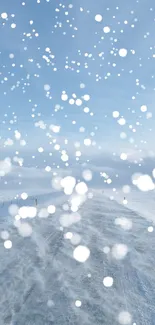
[132,27]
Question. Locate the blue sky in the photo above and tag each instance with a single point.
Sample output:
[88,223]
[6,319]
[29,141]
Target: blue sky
[77,40]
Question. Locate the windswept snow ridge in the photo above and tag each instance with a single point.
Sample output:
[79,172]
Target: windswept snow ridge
[47,278]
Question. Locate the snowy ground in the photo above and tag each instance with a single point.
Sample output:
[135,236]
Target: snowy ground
[40,280]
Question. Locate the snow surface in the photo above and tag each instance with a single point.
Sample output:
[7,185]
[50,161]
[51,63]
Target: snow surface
[42,283]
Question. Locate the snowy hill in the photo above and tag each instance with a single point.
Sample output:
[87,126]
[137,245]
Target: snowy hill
[42,282]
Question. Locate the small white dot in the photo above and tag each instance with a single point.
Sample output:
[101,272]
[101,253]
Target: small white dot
[124,318]
[87,142]
[86,109]
[86,97]
[123,156]
[115,114]
[48,168]
[13,25]
[108,281]
[4,15]
[40,149]
[143,108]
[71,101]
[122,121]
[68,235]
[11,55]
[123,52]
[106,29]
[78,303]
[98,18]
[78,102]
[51,209]
[24,196]
[8,244]
[150,229]
[64,97]
[81,253]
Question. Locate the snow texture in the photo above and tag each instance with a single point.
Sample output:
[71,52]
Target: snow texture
[41,282]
